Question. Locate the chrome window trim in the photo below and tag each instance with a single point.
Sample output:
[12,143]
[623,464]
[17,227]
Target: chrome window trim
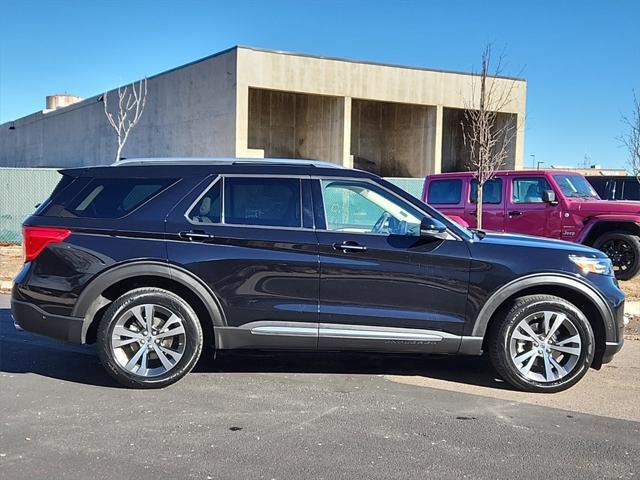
[222,223]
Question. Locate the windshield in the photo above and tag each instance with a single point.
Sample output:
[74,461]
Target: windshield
[575,186]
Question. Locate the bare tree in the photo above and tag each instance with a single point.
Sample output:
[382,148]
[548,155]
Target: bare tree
[131,102]
[487,139]
[631,138]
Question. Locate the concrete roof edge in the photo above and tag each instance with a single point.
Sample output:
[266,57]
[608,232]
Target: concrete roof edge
[367,62]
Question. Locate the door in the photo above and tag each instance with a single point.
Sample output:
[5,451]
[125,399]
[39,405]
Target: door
[527,212]
[382,285]
[492,204]
[250,239]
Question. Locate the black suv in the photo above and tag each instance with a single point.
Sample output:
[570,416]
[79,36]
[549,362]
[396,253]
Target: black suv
[152,259]
[616,187]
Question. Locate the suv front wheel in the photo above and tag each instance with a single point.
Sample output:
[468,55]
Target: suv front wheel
[544,344]
[149,338]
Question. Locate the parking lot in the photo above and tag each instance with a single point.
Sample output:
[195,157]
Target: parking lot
[308,416]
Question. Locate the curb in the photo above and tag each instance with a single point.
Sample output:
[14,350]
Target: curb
[632,308]
[6,285]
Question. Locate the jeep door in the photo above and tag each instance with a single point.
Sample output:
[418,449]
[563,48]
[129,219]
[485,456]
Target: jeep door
[250,238]
[527,212]
[492,204]
[382,285]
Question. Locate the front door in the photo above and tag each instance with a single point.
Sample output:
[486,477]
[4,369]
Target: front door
[382,286]
[527,212]
[251,240]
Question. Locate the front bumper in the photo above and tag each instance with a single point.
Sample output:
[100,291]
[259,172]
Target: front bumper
[33,319]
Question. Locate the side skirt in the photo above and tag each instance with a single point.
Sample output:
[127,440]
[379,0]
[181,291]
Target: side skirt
[327,336]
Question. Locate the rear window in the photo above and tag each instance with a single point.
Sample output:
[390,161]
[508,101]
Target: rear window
[491,192]
[443,192]
[274,202]
[115,197]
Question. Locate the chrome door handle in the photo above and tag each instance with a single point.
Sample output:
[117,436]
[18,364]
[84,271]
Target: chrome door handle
[349,247]
[195,235]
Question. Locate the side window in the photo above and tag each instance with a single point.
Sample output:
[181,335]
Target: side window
[362,207]
[442,192]
[274,202]
[115,197]
[529,190]
[207,209]
[491,192]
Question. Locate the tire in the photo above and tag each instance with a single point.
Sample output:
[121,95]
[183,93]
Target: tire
[508,345]
[165,353]
[624,251]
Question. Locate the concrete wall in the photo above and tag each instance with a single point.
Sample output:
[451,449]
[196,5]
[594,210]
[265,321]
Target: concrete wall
[455,156]
[392,139]
[190,112]
[293,125]
[353,80]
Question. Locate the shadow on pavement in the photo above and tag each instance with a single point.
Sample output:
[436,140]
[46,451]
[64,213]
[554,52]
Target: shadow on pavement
[23,352]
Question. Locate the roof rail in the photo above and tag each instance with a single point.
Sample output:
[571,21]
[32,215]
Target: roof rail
[225,161]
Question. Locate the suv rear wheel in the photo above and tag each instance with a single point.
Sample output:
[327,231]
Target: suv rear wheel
[624,251]
[544,344]
[149,338]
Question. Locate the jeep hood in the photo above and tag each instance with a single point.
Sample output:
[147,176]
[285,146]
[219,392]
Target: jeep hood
[588,207]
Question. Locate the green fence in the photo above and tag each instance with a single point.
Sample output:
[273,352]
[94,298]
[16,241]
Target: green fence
[21,189]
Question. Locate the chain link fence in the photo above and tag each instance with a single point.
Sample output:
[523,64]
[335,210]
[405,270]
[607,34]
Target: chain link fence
[21,189]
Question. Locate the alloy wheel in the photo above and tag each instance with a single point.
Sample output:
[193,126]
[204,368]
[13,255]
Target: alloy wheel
[148,340]
[620,252]
[545,346]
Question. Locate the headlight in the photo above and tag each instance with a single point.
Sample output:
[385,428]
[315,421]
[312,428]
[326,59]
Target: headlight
[601,266]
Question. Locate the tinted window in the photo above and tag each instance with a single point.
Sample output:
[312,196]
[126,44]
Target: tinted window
[602,186]
[207,209]
[444,191]
[529,190]
[262,201]
[491,192]
[361,207]
[631,190]
[115,197]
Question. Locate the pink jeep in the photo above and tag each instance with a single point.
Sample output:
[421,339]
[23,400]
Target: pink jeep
[547,203]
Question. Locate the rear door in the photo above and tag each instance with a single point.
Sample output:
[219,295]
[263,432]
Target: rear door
[250,238]
[527,212]
[492,204]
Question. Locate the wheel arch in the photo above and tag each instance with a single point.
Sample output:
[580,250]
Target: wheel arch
[599,227]
[109,285]
[575,291]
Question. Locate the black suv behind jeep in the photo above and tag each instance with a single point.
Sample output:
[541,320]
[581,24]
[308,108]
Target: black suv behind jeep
[153,259]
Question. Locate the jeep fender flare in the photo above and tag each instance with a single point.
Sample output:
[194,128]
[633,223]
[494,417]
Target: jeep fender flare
[91,299]
[598,220]
[497,299]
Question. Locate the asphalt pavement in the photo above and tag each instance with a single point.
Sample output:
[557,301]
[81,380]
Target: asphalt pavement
[294,416]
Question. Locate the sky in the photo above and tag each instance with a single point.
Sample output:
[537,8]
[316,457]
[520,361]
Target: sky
[581,59]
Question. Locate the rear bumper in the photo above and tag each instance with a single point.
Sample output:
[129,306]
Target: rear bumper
[33,319]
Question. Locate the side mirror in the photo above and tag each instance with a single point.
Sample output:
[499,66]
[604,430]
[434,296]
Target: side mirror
[549,196]
[430,227]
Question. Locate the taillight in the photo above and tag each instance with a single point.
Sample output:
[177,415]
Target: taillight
[34,239]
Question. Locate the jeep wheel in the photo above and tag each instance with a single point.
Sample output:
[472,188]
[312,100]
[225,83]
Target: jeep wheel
[624,251]
[149,338]
[544,344]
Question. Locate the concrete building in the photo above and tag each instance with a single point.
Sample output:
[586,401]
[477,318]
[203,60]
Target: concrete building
[246,102]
